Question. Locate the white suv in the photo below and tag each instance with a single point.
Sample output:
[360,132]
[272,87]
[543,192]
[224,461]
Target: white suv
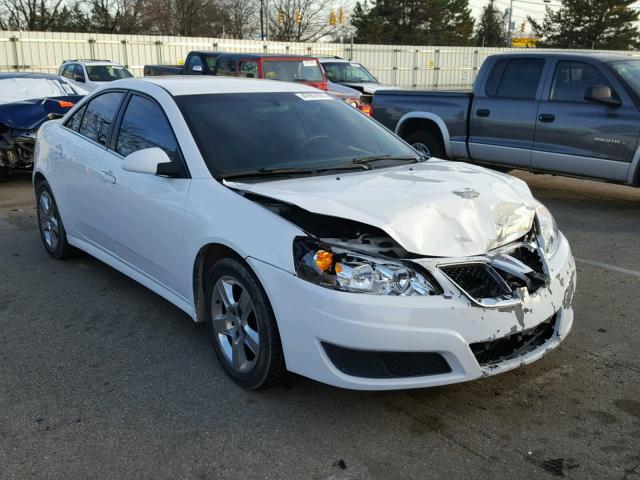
[87,75]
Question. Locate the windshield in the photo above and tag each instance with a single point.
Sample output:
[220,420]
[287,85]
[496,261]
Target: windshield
[293,70]
[629,70]
[107,73]
[348,72]
[249,132]
[18,89]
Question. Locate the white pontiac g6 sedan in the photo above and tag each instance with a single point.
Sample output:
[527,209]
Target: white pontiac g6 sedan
[308,237]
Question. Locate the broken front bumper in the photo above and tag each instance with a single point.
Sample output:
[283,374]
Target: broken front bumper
[373,342]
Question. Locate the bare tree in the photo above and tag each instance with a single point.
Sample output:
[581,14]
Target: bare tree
[117,16]
[185,17]
[29,14]
[242,17]
[298,20]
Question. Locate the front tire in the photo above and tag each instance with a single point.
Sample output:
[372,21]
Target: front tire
[242,326]
[427,142]
[52,232]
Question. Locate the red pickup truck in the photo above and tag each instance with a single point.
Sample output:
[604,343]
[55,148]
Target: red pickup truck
[289,68]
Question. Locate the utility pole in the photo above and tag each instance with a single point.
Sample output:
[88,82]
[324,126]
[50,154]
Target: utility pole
[509,24]
[266,14]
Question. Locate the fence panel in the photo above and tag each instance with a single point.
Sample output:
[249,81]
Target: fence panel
[405,66]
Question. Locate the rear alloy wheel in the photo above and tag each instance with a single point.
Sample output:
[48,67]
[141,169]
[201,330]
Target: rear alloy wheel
[243,330]
[50,224]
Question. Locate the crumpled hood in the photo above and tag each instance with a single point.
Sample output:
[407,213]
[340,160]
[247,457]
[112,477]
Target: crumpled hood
[437,208]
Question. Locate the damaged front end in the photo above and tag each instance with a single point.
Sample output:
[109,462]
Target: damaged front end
[352,256]
[16,148]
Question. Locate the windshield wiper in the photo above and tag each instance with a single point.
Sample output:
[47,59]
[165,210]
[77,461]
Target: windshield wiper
[393,158]
[263,172]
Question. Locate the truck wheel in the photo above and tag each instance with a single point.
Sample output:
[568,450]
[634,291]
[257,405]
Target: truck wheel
[428,143]
[4,174]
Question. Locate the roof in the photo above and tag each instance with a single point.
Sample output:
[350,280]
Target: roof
[200,85]
[255,55]
[335,60]
[91,62]
[603,57]
[48,76]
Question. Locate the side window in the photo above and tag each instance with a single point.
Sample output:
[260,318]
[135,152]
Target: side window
[74,122]
[195,64]
[520,78]
[226,67]
[78,74]
[211,62]
[68,71]
[493,80]
[99,116]
[572,79]
[144,125]
[249,69]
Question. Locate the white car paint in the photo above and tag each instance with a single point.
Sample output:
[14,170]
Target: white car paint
[152,228]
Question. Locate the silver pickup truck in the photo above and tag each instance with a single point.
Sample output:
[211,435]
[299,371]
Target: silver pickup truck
[574,114]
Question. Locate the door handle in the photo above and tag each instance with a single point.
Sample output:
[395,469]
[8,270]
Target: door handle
[107,176]
[483,112]
[546,117]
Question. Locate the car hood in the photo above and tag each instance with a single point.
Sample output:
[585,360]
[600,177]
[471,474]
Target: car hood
[30,114]
[437,208]
[369,87]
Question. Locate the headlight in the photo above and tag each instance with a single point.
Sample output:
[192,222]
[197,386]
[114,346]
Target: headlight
[548,230]
[337,268]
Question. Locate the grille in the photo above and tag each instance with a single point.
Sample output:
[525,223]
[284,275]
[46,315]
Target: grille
[374,364]
[515,345]
[479,280]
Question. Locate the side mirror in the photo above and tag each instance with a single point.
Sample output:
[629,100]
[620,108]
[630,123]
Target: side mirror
[148,160]
[601,94]
[78,78]
[197,68]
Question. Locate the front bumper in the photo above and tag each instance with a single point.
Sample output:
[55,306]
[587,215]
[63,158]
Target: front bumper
[309,315]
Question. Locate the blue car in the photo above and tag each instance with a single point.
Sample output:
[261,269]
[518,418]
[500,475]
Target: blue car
[27,100]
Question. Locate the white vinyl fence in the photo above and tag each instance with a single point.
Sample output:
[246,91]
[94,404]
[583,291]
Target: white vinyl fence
[405,66]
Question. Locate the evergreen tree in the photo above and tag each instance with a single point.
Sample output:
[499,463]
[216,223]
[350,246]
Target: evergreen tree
[491,31]
[593,24]
[414,22]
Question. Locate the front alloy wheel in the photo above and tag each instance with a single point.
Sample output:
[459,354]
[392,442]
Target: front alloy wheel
[234,324]
[243,328]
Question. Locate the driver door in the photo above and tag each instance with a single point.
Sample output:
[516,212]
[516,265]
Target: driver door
[145,227]
[581,137]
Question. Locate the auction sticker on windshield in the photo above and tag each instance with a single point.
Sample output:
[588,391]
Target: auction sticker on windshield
[309,63]
[306,96]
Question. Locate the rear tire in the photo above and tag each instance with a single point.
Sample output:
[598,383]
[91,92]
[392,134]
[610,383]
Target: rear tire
[5,174]
[428,143]
[52,232]
[242,326]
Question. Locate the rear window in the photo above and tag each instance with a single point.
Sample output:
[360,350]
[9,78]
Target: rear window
[520,78]
[293,70]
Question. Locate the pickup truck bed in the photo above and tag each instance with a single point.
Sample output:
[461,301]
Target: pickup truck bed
[575,114]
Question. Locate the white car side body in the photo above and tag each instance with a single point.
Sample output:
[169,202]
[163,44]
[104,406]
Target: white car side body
[153,228]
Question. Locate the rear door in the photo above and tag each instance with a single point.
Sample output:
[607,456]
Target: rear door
[582,137]
[83,171]
[503,117]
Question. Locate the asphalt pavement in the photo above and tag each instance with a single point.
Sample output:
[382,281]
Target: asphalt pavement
[100,378]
